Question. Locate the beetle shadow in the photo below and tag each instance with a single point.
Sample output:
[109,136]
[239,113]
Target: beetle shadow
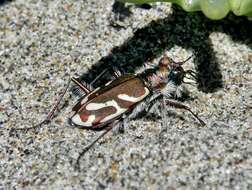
[119,9]
[3,2]
[188,30]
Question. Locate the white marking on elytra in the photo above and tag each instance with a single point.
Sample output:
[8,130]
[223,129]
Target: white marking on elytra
[96,106]
[86,98]
[134,99]
[108,83]
[118,112]
[95,90]
[77,120]
[72,113]
[111,103]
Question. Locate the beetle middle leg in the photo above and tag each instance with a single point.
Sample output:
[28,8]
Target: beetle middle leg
[153,100]
[164,112]
[123,123]
[77,164]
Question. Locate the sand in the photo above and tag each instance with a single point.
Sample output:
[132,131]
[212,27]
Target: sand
[43,43]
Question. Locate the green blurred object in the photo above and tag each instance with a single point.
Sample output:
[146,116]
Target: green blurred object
[213,9]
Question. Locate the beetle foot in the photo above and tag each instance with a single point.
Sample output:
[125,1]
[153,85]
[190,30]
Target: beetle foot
[46,121]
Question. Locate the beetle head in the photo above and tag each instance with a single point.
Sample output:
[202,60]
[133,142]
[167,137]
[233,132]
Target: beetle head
[170,72]
[176,73]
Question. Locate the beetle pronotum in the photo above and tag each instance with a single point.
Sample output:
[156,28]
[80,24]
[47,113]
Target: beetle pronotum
[126,96]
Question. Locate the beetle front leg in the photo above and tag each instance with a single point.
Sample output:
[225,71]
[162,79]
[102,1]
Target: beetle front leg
[182,106]
[153,100]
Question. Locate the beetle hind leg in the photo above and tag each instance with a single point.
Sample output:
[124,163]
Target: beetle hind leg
[115,72]
[50,114]
[85,88]
[88,147]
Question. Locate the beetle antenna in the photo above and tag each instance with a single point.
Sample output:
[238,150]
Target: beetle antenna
[182,62]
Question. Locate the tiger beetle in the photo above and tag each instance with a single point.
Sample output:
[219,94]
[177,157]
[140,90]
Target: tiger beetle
[123,98]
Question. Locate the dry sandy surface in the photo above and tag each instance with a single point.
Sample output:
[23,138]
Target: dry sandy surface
[43,43]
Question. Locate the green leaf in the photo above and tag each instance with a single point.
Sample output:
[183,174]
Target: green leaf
[213,9]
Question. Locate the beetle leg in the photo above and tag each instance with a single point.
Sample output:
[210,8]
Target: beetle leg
[83,87]
[99,76]
[110,126]
[153,100]
[55,107]
[123,123]
[50,114]
[182,106]
[116,73]
[164,112]
[88,88]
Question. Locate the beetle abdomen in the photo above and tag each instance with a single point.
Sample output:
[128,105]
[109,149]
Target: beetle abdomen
[106,105]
